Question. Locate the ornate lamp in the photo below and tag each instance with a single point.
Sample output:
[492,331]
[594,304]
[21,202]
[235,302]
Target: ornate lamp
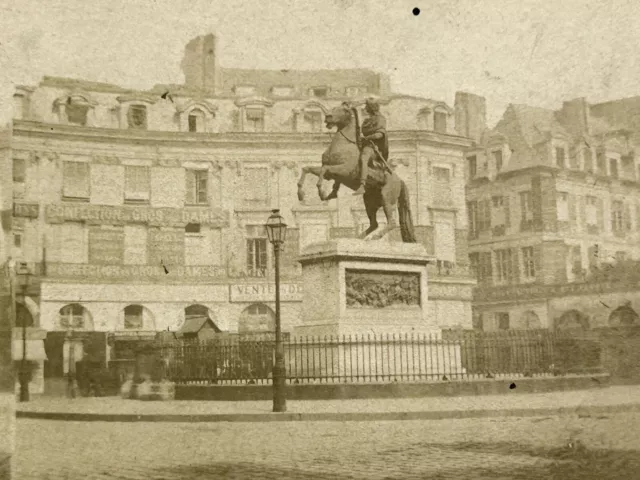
[277,232]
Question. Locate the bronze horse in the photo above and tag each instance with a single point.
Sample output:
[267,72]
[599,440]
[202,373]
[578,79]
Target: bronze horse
[383,188]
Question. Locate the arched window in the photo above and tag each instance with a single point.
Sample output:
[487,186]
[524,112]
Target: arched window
[572,320]
[529,320]
[74,316]
[623,316]
[424,118]
[75,108]
[257,318]
[137,317]
[196,120]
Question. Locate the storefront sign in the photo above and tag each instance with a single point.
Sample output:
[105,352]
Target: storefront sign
[213,217]
[265,292]
[106,247]
[77,270]
[166,247]
[27,210]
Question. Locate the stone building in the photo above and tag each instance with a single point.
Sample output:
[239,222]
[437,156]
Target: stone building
[141,209]
[553,199]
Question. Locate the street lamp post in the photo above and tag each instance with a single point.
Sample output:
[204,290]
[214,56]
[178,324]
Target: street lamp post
[276,232]
[24,374]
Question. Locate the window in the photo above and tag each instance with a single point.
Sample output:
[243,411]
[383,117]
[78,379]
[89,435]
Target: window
[19,170]
[319,92]
[503,320]
[528,263]
[440,122]
[17,239]
[442,174]
[254,120]
[76,182]
[72,316]
[472,211]
[484,215]
[602,164]
[613,167]
[587,157]
[133,317]
[256,186]
[352,91]
[257,318]
[77,114]
[423,119]
[257,256]
[196,187]
[314,119]
[477,323]
[592,211]
[617,215]
[497,156]
[563,207]
[196,120]
[473,166]
[474,264]
[136,183]
[137,117]
[499,211]
[135,244]
[560,157]
[485,267]
[503,264]
[576,260]
[525,206]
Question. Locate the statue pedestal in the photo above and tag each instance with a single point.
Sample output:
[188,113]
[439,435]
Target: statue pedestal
[357,287]
[366,306]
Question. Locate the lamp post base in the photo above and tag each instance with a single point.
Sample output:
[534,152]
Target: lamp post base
[279,377]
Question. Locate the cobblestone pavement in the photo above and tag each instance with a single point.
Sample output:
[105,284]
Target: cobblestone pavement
[565,447]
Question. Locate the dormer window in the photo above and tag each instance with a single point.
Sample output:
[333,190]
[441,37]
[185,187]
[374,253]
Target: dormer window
[613,167]
[440,122]
[320,92]
[473,166]
[196,120]
[197,116]
[75,108]
[137,117]
[134,110]
[252,113]
[497,156]
[587,159]
[424,116]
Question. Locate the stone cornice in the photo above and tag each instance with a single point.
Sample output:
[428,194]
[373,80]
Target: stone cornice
[197,103]
[31,129]
[137,98]
[253,100]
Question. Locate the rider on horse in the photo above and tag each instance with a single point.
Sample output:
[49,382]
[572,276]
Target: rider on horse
[375,143]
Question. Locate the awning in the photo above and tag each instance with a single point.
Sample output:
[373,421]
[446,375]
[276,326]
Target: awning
[35,350]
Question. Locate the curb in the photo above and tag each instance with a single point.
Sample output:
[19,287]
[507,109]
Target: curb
[329,417]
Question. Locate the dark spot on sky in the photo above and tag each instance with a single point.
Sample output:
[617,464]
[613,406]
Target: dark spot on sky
[416,11]
[512,386]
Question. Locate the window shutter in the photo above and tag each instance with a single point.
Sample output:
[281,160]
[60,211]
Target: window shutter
[190,178]
[536,202]
[582,205]
[507,211]
[488,267]
[487,212]
[537,259]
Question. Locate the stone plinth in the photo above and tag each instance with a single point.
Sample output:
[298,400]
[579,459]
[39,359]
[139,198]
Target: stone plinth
[359,287]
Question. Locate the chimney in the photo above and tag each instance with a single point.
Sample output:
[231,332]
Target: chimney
[470,115]
[574,116]
[200,64]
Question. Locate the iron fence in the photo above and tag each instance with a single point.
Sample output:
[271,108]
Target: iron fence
[453,355]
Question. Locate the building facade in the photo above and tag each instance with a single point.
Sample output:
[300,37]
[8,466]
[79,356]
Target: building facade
[139,210]
[554,210]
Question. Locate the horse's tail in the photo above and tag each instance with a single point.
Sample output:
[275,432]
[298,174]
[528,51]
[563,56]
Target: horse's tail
[404,212]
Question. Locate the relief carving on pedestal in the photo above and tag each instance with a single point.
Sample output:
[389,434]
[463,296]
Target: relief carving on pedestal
[380,289]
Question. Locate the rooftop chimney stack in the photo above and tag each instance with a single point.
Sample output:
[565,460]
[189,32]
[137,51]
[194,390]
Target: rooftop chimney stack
[200,64]
[470,115]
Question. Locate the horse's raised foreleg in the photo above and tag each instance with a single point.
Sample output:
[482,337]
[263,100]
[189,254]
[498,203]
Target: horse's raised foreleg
[305,171]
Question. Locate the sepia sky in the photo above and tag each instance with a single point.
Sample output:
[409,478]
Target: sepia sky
[538,52]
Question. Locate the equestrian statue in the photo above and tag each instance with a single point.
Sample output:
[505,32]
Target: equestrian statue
[358,158]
